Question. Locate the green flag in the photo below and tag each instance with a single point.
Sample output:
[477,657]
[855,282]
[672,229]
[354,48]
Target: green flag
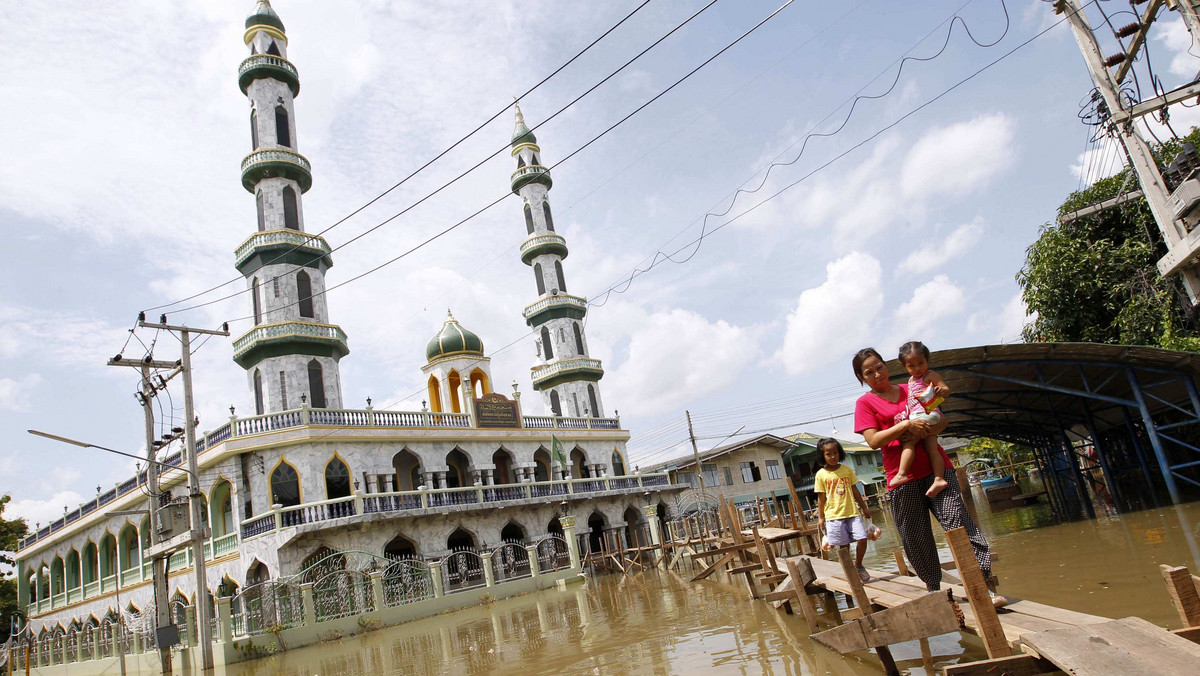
[557,451]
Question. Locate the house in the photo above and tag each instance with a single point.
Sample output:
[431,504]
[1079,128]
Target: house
[742,471]
[803,461]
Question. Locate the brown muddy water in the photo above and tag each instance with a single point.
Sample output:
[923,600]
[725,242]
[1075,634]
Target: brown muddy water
[660,623]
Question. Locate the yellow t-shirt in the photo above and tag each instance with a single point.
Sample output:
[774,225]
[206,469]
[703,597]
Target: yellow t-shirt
[837,485]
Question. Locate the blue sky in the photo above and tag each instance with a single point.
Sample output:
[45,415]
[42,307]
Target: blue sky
[119,190]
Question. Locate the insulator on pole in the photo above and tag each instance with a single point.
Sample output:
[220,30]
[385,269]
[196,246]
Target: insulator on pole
[1115,59]
[1126,31]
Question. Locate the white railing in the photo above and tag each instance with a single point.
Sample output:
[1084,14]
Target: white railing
[528,170]
[260,60]
[552,301]
[544,238]
[361,504]
[539,373]
[286,236]
[275,155]
[282,329]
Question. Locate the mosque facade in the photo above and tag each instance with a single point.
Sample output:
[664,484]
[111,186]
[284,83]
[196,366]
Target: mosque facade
[304,477]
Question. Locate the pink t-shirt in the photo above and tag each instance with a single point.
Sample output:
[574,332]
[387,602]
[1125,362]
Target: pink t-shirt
[873,411]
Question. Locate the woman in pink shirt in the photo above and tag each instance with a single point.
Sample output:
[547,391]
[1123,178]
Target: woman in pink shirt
[881,416]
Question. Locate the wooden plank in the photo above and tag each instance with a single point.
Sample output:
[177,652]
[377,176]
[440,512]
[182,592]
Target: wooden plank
[1183,594]
[861,600]
[723,550]
[1128,646]
[799,569]
[989,627]
[1190,633]
[901,564]
[713,567]
[1014,665]
[929,615]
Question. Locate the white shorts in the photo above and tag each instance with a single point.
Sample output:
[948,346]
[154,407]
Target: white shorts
[932,418]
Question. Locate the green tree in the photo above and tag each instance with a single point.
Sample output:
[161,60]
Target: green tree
[11,530]
[1094,278]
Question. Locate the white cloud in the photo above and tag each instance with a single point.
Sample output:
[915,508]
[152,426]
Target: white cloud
[14,394]
[935,253]
[834,316]
[676,356]
[43,511]
[932,301]
[1175,37]
[958,158]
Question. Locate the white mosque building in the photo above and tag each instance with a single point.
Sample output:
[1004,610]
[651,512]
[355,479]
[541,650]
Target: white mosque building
[304,478]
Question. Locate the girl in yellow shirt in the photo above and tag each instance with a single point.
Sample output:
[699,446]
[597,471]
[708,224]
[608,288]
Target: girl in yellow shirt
[839,502]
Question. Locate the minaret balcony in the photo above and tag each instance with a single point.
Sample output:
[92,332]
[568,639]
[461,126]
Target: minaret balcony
[292,337]
[275,163]
[545,243]
[555,307]
[282,247]
[566,370]
[268,66]
[531,173]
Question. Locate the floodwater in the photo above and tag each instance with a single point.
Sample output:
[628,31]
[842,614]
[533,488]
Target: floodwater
[660,623]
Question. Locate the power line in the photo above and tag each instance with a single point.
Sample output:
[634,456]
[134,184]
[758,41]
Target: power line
[484,160]
[429,162]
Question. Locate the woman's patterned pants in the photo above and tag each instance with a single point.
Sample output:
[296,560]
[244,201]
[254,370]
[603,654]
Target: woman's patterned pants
[910,509]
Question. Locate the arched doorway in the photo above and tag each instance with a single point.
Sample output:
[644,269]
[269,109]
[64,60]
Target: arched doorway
[635,527]
[579,468]
[512,532]
[542,465]
[503,461]
[458,469]
[617,464]
[407,467]
[400,548]
[596,525]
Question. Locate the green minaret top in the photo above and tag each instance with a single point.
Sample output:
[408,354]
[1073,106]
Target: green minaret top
[453,339]
[522,134]
[264,15]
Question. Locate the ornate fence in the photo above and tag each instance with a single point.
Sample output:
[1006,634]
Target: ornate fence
[553,554]
[462,570]
[266,607]
[406,581]
[510,561]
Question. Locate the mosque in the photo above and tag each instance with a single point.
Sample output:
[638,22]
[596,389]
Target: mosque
[305,477]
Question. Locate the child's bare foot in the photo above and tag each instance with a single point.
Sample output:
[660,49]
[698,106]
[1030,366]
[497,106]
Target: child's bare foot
[901,478]
[939,485]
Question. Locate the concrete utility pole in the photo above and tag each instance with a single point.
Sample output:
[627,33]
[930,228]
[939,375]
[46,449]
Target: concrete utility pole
[695,451]
[1182,245]
[203,612]
[158,565]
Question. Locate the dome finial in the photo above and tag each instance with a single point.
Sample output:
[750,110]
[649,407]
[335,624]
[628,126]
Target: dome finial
[449,315]
[521,133]
[517,105]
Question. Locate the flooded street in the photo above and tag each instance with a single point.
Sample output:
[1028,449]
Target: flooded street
[660,623]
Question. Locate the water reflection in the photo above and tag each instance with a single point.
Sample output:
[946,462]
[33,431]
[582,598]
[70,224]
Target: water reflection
[661,623]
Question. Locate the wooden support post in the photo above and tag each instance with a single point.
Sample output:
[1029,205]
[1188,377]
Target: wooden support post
[802,573]
[929,615]
[901,564]
[799,509]
[1182,588]
[864,603]
[990,629]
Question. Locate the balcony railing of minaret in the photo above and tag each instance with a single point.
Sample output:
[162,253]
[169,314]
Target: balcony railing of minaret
[292,237]
[543,371]
[528,170]
[287,329]
[555,301]
[265,155]
[268,62]
[469,497]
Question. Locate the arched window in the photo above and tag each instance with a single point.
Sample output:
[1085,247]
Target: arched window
[291,215]
[273,49]
[316,384]
[562,281]
[549,219]
[579,343]
[254,301]
[283,132]
[262,213]
[555,405]
[618,464]
[254,129]
[528,220]
[337,480]
[537,276]
[258,393]
[285,486]
[592,401]
[520,161]
[435,395]
[546,349]
[304,291]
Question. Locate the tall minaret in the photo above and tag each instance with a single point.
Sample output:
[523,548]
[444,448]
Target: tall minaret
[291,354]
[565,375]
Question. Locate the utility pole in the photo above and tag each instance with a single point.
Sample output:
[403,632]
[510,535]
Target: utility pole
[158,565]
[198,535]
[695,452]
[1182,245]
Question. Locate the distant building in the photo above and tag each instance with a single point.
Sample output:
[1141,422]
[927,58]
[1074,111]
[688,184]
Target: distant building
[743,471]
[803,461]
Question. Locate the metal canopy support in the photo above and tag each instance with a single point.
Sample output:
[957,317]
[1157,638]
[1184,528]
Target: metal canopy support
[1164,465]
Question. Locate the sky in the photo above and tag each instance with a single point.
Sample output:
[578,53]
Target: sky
[123,129]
